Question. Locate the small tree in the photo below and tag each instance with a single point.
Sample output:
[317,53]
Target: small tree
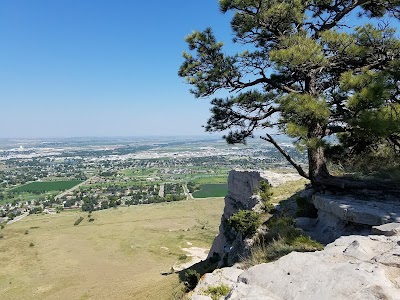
[306,71]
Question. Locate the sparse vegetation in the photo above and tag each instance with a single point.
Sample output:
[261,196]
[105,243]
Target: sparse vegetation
[216,292]
[31,244]
[245,221]
[282,238]
[116,241]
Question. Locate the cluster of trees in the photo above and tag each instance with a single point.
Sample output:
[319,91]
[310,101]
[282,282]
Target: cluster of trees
[308,71]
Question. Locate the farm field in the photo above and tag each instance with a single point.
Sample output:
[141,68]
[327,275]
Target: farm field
[45,186]
[211,190]
[120,255]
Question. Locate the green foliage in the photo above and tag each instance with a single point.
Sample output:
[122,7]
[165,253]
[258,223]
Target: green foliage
[245,222]
[282,238]
[78,221]
[301,65]
[216,292]
[192,277]
[31,244]
[266,194]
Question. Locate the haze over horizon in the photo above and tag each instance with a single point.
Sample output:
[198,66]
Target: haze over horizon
[100,68]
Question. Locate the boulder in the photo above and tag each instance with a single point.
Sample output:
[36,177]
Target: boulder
[387,229]
[352,267]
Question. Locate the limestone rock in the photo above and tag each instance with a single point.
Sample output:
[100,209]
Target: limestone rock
[227,276]
[387,229]
[352,267]
[242,189]
[358,211]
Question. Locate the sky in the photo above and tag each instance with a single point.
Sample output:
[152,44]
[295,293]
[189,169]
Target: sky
[100,68]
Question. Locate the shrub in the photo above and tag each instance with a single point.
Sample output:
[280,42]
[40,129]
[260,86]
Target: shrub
[31,244]
[266,194]
[245,221]
[91,220]
[1,236]
[183,257]
[192,277]
[78,221]
[27,231]
[216,292]
[282,238]
[305,208]
[2,226]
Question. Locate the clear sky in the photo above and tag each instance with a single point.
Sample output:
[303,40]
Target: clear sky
[100,67]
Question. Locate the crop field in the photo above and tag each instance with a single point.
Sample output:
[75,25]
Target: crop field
[46,186]
[211,190]
[119,255]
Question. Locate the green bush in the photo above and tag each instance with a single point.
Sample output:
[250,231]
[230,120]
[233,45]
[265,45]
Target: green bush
[245,221]
[216,292]
[192,277]
[266,194]
[78,221]
[31,244]
[91,220]
[282,238]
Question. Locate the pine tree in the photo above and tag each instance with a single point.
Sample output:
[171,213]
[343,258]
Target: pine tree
[305,70]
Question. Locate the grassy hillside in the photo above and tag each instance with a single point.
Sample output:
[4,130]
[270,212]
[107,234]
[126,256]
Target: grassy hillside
[119,255]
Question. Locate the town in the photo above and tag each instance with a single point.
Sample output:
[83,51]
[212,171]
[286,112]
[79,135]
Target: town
[48,177]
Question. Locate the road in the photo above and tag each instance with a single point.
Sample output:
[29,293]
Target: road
[71,189]
[185,189]
[20,217]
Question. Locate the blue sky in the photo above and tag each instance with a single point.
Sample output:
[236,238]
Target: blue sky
[100,68]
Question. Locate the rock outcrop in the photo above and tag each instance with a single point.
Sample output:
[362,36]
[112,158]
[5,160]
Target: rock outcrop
[242,189]
[352,267]
[340,215]
[361,259]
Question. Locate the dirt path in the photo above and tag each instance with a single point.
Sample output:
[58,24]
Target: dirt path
[197,255]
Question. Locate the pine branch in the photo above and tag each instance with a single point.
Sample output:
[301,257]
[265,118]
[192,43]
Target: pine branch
[286,155]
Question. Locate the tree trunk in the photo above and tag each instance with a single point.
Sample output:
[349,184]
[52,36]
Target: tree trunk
[318,171]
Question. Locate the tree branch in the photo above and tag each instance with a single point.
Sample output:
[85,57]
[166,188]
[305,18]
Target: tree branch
[286,155]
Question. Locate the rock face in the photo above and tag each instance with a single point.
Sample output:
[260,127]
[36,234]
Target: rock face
[352,267]
[242,189]
[345,215]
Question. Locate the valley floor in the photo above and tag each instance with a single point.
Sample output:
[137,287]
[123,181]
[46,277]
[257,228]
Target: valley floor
[119,255]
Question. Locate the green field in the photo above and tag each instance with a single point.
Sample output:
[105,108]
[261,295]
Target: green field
[46,186]
[120,255]
[211,190]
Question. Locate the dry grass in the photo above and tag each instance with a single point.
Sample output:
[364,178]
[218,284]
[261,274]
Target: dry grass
[118,256]
[287,189]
